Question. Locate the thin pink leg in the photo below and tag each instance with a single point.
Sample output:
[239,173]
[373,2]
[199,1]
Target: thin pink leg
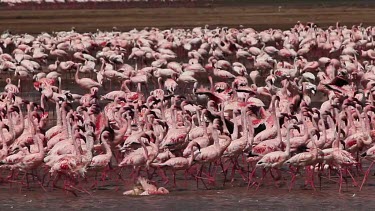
[366,175]
[312,178]
[249,184]
[340,180]
[353,180]
[293,180]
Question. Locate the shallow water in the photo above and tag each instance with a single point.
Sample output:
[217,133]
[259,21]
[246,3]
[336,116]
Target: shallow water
[266,197]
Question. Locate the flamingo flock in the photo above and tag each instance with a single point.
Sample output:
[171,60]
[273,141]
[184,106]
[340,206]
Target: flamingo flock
[208,105]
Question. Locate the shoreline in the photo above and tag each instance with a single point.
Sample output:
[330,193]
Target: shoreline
[248,15]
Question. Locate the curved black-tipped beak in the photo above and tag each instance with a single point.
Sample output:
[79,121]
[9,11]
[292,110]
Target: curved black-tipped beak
[297,128]
[317,134]
[199,147]
[343,132]
[83,137]
[16,109]
[81,127]
[80,118]
[28,147]
[6,127]
[294,117]
[343,143]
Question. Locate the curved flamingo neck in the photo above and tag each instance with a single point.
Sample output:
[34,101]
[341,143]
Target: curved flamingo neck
[89,147]
[235,128]
[11,127]
[4,141]
[58,115]
[245,128]
[107,148]
[192,156]
[337,132]
[215,136]
[77,145]
[20,128]
[40,146]
[76,75]
[277,122]
[144,148]
[324,131]
[287,150]
[366,124]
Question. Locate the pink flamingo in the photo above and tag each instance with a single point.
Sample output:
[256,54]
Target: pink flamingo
[86,83]
[180,163]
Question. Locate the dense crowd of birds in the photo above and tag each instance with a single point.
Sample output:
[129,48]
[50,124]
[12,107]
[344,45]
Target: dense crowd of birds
[180,100]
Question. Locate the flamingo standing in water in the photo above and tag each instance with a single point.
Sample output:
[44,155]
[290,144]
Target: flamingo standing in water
[86,83]
[180,163]
[305,159]
[276,159]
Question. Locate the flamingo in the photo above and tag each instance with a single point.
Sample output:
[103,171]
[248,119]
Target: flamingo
[148,188]
[86,83]
[180,163]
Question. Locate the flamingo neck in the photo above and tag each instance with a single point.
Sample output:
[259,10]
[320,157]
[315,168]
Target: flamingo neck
[58,115]
[40,146]
[144,148]
[107,148]
[191,158]
[3,140]
[235,125]
[89,147]
[287,150]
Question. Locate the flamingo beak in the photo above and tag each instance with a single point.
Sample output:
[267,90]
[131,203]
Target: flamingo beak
[7,127]
[83,137]
[317,134]
[199,147]
[343,132]
[28,147]
[60,98]
[294,117]
[343,143]
[297,128]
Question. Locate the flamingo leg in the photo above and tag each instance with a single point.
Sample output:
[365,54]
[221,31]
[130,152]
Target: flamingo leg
[250,178]
[366,175]
[312,177]
[199,176]
[163,176]
[224,172]
[293,180]
[264,174]
[340,180]
[232,172]
[351,176]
